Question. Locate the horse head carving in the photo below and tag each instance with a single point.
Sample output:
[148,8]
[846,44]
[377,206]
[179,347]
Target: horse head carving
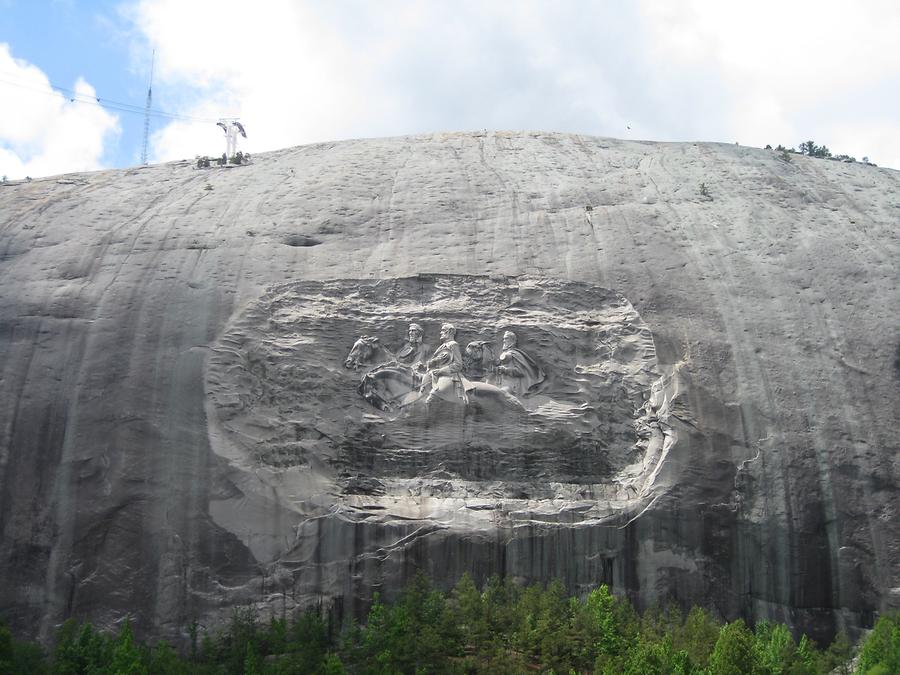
[367,351]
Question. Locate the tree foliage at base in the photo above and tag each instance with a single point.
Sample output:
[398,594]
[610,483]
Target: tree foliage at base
[880,654]
[500,628]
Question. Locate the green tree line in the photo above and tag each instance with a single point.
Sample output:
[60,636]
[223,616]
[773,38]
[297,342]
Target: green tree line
[500,628]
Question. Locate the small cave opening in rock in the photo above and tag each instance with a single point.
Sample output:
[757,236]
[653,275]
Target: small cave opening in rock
[301,240]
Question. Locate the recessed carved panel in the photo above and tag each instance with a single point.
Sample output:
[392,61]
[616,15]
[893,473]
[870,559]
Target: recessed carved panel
[446,387]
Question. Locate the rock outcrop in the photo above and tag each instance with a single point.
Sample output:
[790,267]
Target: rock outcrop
[188,422]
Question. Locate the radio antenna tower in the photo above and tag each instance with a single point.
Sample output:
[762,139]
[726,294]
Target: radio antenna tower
[147,110]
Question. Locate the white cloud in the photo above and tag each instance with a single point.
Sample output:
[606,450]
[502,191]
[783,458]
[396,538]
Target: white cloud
[42,132]
[790,67]
[302,72]
[299,73]
[277,67]
[757,73]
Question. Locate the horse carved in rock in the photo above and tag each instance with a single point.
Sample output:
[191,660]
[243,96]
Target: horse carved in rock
[367,351]
[388,384]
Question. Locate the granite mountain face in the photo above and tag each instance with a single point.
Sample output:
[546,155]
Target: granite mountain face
[540,355]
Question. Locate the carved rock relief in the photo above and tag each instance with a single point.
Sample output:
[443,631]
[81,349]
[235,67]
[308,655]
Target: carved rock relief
[416,376]
[381,396]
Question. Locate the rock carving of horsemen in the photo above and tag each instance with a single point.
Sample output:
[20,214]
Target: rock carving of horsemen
[390,385]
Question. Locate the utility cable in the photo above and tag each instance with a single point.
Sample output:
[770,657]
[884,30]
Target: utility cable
[77,97]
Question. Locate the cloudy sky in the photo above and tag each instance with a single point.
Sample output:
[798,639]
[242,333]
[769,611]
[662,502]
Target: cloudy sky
[74,74]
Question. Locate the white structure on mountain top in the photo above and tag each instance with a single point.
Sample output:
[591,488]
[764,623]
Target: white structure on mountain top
[231,128]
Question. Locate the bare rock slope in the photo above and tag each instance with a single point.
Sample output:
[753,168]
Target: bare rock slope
[183,429]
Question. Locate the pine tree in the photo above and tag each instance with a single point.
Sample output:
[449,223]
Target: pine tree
[126,657]
[733,653]
[882,647]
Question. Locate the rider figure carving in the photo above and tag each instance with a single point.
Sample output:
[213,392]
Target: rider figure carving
[446,362]
[414,351]
[517,371]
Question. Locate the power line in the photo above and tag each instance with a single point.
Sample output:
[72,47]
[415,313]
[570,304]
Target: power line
[75,97]
[118,106]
